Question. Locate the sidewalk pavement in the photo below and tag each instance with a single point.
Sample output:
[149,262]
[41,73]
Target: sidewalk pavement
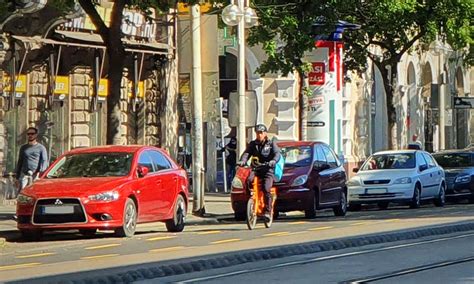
[217,206]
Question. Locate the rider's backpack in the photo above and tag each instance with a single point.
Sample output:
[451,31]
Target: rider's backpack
[279,168]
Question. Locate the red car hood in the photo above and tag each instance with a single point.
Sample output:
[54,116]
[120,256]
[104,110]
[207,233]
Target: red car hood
[291,173]
[73,187]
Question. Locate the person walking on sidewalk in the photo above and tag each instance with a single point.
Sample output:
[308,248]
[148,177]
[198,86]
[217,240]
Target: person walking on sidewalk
[32,159]
[265,150]
[231,159]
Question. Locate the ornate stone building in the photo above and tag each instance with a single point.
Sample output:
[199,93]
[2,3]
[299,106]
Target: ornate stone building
[54,65]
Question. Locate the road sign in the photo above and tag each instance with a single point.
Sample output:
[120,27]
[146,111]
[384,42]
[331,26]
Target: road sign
[463,102]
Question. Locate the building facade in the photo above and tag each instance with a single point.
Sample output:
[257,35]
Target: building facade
[55,78]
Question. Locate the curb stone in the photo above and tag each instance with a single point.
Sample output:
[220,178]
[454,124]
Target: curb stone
[177,267]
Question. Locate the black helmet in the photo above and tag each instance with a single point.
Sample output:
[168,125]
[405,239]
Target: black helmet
[260,127]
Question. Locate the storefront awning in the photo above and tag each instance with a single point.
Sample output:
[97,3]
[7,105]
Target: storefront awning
[95,41]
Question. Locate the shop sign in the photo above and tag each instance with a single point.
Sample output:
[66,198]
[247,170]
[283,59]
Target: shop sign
[103,88]
[141,89]
[62,85]
[134,23]
[318,100]
[183,8]
[20,84]
[316,76]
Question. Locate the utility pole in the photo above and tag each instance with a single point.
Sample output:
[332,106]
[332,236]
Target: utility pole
[198,149]
[241,134]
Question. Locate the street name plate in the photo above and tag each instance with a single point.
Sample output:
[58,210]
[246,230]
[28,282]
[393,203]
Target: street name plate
[463,102]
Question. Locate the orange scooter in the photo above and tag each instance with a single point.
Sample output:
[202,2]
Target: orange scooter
[256,203]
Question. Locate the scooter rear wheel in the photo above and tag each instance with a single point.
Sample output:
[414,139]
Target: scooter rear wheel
[251,214]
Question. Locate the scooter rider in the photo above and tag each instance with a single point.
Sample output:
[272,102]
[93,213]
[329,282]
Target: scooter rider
[267,151]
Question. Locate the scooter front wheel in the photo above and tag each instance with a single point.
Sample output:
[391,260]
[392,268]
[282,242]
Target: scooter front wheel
[268,221]
[251,214]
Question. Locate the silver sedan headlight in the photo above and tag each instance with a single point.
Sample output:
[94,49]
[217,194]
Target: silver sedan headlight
[404,180]
[105,196]
[353,182]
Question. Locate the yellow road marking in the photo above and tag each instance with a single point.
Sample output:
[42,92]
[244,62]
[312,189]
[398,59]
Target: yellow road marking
[225,241]
[208,232]
[276,234]
[298,223]
[396,213]
[24,265]
[360,223]
[167,249]
[103,246]
[35,255]
[391,220]
[320,228]
[160,238]
[99,256]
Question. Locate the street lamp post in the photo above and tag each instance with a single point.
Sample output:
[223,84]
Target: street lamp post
[243,17]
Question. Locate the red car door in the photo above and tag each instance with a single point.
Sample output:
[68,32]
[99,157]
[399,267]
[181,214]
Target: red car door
[147,188]
[323,175]
[333,190]
[166,194]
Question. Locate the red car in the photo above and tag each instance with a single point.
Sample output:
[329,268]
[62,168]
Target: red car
[313,179]
[105,188]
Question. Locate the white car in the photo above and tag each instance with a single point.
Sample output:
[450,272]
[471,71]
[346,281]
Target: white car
[401,176]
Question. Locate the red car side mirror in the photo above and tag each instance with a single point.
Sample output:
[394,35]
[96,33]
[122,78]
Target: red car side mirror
[142,171]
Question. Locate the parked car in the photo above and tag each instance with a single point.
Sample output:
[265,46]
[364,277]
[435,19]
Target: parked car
[313,179]
[106,187]
[458,166]
[402,176]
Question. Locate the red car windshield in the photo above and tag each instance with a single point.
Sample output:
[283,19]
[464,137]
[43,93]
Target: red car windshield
[297,156]
[92,165]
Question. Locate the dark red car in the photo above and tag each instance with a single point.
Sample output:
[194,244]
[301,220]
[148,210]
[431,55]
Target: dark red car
[313,179]
[105,188]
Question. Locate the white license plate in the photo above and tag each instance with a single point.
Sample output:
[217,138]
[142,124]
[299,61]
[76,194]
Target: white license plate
[376,190]
[58,209]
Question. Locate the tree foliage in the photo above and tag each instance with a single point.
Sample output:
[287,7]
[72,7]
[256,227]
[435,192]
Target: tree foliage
[394,26]
[285,32]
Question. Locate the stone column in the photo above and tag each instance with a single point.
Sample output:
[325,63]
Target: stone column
[80,105]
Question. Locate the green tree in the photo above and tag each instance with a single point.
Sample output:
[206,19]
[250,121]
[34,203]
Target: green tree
[285,33]
[395,26]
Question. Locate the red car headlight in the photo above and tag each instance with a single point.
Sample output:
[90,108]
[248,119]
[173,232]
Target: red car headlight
[105,196]
[25,199]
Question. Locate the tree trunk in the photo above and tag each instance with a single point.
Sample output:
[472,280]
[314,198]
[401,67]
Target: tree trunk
[116,54]
[112,37]
[303,106]
[390,83]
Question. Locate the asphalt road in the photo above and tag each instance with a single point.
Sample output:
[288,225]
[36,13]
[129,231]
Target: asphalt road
[434,260]
[65,252]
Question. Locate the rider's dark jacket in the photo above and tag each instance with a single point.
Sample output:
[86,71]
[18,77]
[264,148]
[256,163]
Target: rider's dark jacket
[265,150]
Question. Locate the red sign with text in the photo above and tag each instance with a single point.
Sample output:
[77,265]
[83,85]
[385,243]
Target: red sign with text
[316,76]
